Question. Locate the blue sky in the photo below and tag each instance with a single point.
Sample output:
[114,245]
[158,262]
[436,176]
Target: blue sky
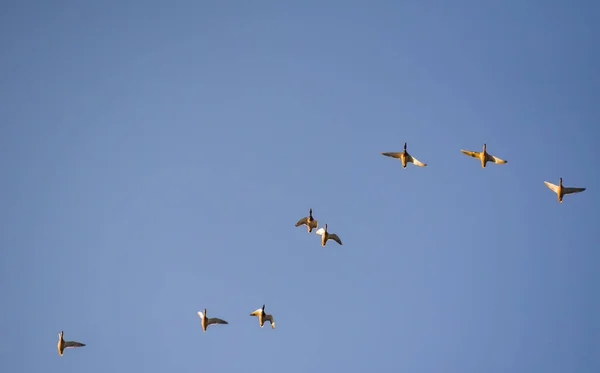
[156,155]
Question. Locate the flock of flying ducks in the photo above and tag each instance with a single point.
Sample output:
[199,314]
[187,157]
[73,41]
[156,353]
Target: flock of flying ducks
[484,157]
[205,322]
[311,223]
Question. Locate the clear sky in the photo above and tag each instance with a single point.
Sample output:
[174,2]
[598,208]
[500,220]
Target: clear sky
[155,157]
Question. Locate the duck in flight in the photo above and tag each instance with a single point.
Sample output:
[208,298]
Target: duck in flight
[209,321]
[328,236]
[62,344]
[309,221]
[484,156]
[404,157]
[263,316]
[561,191]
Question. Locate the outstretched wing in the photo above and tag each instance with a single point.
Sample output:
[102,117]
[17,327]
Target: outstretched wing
[73,344]
[392,154]
[572,190]
[270,319]
[320,231]
[416,161]
[492,158]
[552,187]
[302,221]
[471,153]
[333,236]
[313,224]
[256,313]
[214,320]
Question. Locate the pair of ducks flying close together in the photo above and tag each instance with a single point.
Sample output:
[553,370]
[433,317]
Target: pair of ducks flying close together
[262,317]
[559,189]
[311,223]
[405,157]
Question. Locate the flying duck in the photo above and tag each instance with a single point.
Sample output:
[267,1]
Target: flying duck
[560,190]
[262,317]
[62,344]
[206,321]
[309,221]
[328,236]
[404,157]
[484,156]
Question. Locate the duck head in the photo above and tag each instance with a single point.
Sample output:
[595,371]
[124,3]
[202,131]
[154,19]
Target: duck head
[560,181]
